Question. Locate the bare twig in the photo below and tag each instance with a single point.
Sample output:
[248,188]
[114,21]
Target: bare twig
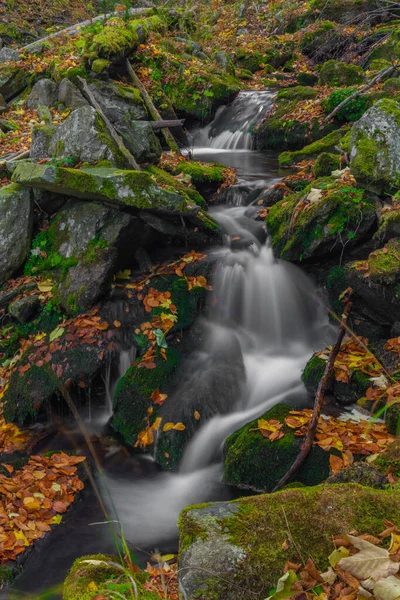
[319,396]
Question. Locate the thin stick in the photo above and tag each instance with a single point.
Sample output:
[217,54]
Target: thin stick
[319,396]
[155,115]
[383,73]
[117,139]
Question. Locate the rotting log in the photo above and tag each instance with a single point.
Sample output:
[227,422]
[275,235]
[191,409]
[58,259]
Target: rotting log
[117,139]
[165,124]
[155,115]
[319,396]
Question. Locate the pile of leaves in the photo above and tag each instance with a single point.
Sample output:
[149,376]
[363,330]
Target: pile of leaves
[346,438]
[33,499]
[353,356]
[361,566]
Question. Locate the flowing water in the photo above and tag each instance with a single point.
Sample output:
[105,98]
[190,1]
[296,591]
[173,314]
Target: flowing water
[271,311]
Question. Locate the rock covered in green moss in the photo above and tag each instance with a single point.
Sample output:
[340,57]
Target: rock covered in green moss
[389,460]
[335,74]
[392,418]
[319,220]
[353,110]
[13,80]
[165,179]
[326,163]
[251,532]
[130,189]
[375,142]
[253,462]
[25,309]
[42,136]
[83,137]
[16,222]
[388,226]
[299,92]
[361,473]
[217,89]
[311,151]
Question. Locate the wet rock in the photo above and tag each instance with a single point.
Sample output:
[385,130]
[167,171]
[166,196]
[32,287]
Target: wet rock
[272,195]
[44,93]
[25,309]
[16,219]
[210,381]
[253,462]
[360,473]
[141,140]
[375,142]
[83,137]
[70,95]
[251,536]
[327,216]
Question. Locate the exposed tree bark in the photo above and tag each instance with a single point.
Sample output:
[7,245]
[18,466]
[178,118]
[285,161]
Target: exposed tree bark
[169,123]
[384,73]
[319,396]
[117,139]
[76,28]
[169,138]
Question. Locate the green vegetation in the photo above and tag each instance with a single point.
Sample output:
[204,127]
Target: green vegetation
[353,110]
[334,73]
[326,144]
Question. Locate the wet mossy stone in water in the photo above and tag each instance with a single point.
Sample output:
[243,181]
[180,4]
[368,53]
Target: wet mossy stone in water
[378,295]
[253,462]
[336,74]
[132,397]
[250,532]
[16,223]
[130,189]
[311,151]
[336,214]
[375,143]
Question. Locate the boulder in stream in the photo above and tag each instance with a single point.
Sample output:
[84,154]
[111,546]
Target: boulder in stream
[235,550]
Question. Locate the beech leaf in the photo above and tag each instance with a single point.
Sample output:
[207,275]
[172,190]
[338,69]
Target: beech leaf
[387,589]
[371,561]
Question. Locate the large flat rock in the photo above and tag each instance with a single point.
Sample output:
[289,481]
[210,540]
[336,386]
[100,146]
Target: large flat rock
[128,189]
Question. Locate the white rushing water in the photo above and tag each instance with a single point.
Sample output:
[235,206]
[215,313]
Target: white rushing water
[271,309]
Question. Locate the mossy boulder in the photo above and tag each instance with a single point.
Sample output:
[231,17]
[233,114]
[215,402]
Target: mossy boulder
[344,393]
[42,136]
[353,110]
[16,223]
[253,462]
[13,80]
[334,73]
[83,137]
[311,151]
[281,131]
[375,283]
[375,142]
[330,215]
[245,537]
[361,473]
[44,93]
[388,226]
[168,181]
[326,163]
[299,92]
[96,568]
[201,104]
[129,189]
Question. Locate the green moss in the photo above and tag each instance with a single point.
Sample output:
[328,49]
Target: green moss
[313,372]
[253,461]
[353,110]
[390,459]
[100,66]
[326,163]
[384,266]
[132,396]
[335,74]
[83,573]
[202,172]
[45,259]
[310,517]
[163,178]
[326,144]
[192,530]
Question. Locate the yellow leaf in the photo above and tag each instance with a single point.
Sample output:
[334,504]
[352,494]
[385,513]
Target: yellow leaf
[196,415]
[45,286]
[19,535]
[156,423]
[179,427]
[56,520]
[126,274]
[168,426]
[92,587]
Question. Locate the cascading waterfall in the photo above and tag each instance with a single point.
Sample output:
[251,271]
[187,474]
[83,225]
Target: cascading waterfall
[270,309]
[232,127]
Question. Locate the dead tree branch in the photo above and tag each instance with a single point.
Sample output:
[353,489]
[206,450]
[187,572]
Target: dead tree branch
[319,396]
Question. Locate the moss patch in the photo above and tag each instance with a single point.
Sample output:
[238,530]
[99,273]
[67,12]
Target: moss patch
[326,144]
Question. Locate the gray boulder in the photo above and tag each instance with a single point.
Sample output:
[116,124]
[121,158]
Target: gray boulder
[70,96]
[13,80]
[140,139]
[42,136]
[44,93]
[9,55]
[375,146]
[16,218]
[84,138]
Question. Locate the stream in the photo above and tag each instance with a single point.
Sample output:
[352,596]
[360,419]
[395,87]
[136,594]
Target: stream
[272,312]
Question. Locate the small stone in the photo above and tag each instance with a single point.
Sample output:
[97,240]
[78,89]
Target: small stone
[25,309]
[361,473]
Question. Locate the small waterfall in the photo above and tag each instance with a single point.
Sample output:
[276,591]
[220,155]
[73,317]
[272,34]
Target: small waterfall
[126,358]
[232,128]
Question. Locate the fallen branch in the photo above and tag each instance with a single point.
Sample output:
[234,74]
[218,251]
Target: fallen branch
[319,396]
[15,155]
[78,26]
[376,79]
[117,139]
[169,138]
[163,124]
